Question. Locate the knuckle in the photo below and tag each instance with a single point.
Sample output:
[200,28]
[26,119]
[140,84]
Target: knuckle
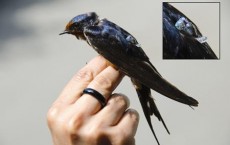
[120,100]
[52,115]
[65,122]
[93,133]
[84,75]
[103,82]
[134,115]
[71,127]
[74,124]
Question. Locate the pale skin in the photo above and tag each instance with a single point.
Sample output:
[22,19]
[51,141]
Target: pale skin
[78,119]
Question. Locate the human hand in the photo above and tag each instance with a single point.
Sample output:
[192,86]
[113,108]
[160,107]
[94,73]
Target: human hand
[78,119]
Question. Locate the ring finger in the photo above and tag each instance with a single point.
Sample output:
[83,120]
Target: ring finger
[105,82]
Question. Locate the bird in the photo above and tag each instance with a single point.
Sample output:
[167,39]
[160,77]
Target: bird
[182,38]
[123,51]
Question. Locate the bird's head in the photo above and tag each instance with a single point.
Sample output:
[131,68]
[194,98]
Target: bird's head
[77,24]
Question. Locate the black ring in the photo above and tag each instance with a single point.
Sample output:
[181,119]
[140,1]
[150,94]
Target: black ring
[96,95]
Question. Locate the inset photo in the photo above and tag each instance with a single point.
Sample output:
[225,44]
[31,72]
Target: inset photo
[191,30]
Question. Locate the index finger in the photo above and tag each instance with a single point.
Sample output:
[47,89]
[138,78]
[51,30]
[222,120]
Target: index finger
[80,81]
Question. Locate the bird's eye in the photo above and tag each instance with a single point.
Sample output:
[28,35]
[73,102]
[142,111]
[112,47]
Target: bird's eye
[75,27]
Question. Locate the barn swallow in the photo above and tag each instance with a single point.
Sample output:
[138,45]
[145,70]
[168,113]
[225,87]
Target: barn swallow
[123,51]
[182,38]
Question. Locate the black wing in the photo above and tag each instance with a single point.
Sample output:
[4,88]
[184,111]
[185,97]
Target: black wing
[178,44]
[131,59]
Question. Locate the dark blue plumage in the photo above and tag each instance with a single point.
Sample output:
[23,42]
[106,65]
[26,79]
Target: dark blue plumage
[182,44]
[122,50]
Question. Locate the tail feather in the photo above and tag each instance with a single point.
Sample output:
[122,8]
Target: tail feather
[148,105]
[156,112]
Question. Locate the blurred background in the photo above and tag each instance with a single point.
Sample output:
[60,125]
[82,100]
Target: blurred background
[36,63]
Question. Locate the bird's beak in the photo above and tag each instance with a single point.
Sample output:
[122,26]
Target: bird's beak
[65,32]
